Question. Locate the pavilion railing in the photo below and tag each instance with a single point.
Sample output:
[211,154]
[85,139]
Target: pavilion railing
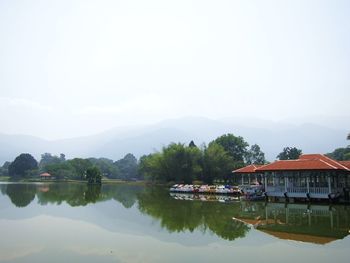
[297,189]
[312,190]
[319,190]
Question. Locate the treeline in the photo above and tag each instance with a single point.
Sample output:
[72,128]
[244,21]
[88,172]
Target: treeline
[178,162]
[90,169]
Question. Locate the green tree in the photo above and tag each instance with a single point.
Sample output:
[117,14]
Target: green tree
[192,144]
[340,154]
[180,163]
[217,163]
[150,167]
[48,158]
[176,162]
[289,153]
[80,167]
[254,155]
[235,146]
[4,170]
[61,170]
[128,168]
[93,175]
[22,166]
[106,166]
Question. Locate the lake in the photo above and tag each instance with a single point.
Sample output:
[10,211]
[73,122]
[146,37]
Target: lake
[71,222]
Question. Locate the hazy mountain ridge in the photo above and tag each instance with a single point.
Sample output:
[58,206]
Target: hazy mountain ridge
[139,140]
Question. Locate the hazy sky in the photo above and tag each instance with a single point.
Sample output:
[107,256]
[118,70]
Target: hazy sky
[71,68]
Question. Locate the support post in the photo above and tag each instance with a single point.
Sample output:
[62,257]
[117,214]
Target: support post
[307,184]
[249,179]
[242,180]
[329,185]
[285,184]
[265,180]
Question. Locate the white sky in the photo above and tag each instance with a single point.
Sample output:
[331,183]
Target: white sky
[70,68]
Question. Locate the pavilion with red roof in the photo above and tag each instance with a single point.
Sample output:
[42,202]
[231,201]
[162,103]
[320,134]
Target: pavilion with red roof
[310,176]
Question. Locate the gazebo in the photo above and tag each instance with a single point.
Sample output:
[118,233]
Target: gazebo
[45,176]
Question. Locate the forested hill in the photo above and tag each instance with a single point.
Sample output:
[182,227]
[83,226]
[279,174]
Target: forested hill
[115,143]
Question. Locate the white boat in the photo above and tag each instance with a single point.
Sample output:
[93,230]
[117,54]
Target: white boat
[221,189]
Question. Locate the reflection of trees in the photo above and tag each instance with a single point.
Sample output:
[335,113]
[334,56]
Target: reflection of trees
[74,194]
[21,194]
[179,215]
[71,193]
[77,194]
[124,193]
[3,188]
[92,193]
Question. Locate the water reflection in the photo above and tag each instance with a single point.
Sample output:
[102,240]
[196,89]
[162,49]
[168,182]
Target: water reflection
[21,195]
[179,215]
[319,224]
[227,219]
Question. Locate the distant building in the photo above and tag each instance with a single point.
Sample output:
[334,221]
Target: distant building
[45,176]
[310,176]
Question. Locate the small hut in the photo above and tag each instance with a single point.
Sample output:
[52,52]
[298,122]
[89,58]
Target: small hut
[45,176]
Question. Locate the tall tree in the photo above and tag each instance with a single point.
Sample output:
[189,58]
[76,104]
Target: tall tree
[48,158]
[340,154]
[254,155]
[4,170]
[93,175]
[151,167]
[80,166]
[127,167]
[22,165]
[235,146]
[180,163]
[289,153]
[106,166]
[217,163]
[192,144]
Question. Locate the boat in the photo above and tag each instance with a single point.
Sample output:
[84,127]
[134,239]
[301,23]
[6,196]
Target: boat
[253,192]
[221,189]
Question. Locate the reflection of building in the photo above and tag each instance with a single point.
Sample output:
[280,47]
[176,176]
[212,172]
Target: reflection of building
[310,176]
[43,188]
[301,222]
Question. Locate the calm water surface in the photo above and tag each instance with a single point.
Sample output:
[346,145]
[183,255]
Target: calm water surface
[61,222]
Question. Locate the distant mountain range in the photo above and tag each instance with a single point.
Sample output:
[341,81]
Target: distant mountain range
[139,140]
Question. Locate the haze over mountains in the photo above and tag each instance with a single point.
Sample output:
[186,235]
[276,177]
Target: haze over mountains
[322,135]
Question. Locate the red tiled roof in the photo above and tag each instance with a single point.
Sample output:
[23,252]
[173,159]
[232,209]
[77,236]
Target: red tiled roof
[305,162]
[323,158]
[345,163]
[248,169]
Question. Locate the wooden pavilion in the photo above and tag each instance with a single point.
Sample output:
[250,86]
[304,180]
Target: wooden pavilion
[310,176]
